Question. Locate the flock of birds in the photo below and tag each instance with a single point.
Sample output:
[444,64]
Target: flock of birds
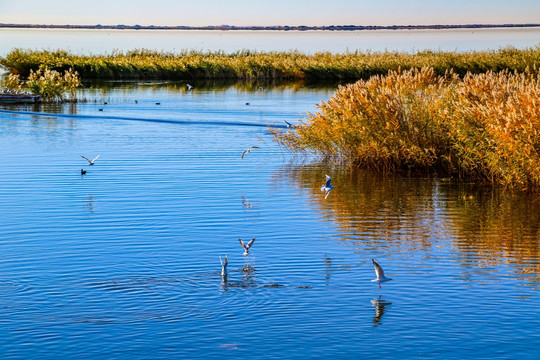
[326,188]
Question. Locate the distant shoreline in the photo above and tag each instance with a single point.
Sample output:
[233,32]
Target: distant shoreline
[270,28]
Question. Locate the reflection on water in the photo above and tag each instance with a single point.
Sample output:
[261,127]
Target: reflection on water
[107,41]
[90,204]
[485,226]
[379,305]
[123,262]
[500,226]
[327,269]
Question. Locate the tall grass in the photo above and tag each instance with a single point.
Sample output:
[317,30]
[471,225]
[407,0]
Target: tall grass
[52,85]
[253,65]
[483,126]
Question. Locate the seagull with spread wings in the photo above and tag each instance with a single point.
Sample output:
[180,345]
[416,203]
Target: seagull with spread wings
[246,247]
[327,187]
[249,150]
[90,162]
[380,274]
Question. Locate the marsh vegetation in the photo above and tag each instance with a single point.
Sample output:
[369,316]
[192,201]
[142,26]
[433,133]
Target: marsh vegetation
[53,86]
[482,127]
[253,65]
[471,115]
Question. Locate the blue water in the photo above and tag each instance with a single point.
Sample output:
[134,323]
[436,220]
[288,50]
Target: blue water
[123,262]
[101,41]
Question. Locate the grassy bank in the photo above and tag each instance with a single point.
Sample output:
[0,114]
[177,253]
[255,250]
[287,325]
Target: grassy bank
[249,65]
[483,127]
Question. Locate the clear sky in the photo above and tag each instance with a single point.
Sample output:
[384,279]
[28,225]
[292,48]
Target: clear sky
[269,12]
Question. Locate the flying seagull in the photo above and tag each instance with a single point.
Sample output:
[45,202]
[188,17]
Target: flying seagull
[90,162]
[380,274]
[328,186]
[246,247]
[289,125]
[249,150]
[189,86]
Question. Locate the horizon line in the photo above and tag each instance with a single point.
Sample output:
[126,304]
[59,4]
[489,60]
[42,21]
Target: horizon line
[266,27]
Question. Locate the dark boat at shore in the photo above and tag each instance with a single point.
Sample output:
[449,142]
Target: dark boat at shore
[16,98]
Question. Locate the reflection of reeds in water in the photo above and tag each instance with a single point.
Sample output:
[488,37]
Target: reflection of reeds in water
[500,227]
[488,226]
[378,208]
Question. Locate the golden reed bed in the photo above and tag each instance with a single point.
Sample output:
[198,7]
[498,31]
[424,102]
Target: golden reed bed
[251,65]
[483,127]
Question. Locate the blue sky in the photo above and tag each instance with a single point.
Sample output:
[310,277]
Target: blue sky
[272,12]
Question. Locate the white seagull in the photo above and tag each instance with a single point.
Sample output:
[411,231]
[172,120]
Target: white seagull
[189,86]
[90,162]
[328,186]
[224,266]
[249,150]
[380,274]
[246,247]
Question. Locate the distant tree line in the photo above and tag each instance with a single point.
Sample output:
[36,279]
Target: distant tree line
[277,27]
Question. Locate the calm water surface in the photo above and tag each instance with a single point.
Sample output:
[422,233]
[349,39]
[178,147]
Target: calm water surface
[123,262]
[100,41]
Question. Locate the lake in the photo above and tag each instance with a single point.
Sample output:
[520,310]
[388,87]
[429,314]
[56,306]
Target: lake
[124,261]
[101,41]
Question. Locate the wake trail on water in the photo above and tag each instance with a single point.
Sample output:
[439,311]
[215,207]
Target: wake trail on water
[166,121]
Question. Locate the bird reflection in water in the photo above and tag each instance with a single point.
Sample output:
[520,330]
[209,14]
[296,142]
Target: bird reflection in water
[245,203]
[249,207]
[327,269]
[379,306]
[90,203]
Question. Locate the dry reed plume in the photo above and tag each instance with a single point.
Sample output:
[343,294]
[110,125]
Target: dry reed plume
[480,127]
